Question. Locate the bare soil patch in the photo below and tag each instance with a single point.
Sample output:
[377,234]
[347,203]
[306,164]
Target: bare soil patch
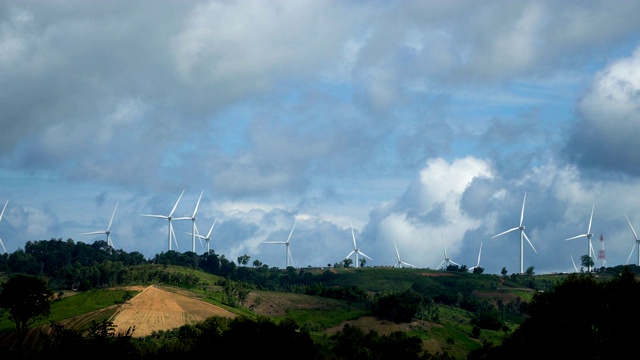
[155,309]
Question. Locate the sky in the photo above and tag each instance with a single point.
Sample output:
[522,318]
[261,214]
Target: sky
[419,123]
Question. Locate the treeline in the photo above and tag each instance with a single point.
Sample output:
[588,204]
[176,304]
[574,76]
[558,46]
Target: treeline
[583,317]
[241,337]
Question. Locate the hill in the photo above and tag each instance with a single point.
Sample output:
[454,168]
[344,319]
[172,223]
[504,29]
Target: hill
[446,326]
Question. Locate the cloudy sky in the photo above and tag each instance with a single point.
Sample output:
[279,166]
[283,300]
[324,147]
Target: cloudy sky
[419,122]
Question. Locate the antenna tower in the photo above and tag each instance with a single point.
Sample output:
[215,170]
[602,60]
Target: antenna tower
[601,255]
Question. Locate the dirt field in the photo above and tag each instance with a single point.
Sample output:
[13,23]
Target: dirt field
[155,309]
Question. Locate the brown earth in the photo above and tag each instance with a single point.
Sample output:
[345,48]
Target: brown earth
[155,309]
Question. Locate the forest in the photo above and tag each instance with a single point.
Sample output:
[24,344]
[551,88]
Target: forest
[584,314]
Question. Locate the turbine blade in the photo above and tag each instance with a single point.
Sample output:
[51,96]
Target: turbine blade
[479,253]
[632,229]
[155,216]
[274,242]
[576,237]
[93,233]
[439,266]
[176,205]
[529,241]
[175,240]
[290,233]
[443,247]
[574,263]
[214,224]
[363,254]
[505,232]
[522,213]
[631,253]
[351,253]
[590,219]
[197,204]
[353,235]
[396,246]
[3,208]
[3,248]
[112,215]
[453,262]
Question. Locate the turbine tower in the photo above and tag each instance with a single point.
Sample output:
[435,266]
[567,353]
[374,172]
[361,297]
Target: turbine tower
[286,243]
[355,250]
[588,235]
[447,260]
[169,218]
[523,236]
[2,213]
[194,229]
[636,243]
[400,263]
[106,232]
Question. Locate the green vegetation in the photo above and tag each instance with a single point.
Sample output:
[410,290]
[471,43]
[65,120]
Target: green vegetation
[453,314]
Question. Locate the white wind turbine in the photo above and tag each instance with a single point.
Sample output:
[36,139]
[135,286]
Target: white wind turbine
[208,237]
[355,250]
[194,229]
[636,243]
[447,260]
[523,236]
[588,235]
[286,243]
[106,232]
[478,263]
[169,218]
[2,213]
[400,263]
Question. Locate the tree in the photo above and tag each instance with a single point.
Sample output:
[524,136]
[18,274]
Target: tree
[530,271]
[257,263]
[587,261]
[244,259]
[347,263]
[503,271]
[28,299]
[363,262]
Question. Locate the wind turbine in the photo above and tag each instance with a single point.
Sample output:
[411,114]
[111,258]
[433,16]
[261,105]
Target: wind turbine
[106,232]
[355,250]
[400,263]
[478,264]
[208,237]
[447,260]
[523,236]
[588,235]
[169,218]
[2,213]
[286,243]
[194,229]
[635,243]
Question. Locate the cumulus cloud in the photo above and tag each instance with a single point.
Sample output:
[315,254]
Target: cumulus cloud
[605,137]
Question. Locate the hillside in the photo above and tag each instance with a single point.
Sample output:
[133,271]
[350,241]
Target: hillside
[155,309]
[164,307]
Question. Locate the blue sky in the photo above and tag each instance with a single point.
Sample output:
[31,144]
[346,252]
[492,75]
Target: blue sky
[419,121]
